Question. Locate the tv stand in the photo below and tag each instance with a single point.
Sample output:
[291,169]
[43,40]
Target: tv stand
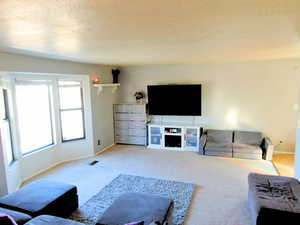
[174,136]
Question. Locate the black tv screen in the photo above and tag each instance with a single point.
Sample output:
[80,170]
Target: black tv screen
[177,100]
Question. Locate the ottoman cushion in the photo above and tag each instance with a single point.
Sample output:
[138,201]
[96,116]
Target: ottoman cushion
[19,217]
[274,199]
[136,207]
[43,197]
[51,220]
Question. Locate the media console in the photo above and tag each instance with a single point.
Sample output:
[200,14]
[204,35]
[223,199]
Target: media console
[174,136]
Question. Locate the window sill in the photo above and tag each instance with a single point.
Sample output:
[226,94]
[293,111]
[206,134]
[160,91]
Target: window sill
[48,147]
[73,140]
[12,163]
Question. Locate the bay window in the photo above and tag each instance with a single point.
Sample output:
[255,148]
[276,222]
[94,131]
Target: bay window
[49,110]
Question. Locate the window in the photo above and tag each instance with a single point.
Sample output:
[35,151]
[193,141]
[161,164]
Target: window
[71,110]
[6,128]
[34,112]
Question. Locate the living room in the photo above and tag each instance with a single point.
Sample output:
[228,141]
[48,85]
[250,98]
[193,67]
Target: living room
[249,82]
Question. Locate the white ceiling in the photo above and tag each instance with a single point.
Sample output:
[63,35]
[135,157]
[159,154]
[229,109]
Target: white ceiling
[134,32]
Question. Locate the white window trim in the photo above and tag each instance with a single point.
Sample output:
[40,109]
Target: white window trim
[57,132]
[7,120]
[82,108]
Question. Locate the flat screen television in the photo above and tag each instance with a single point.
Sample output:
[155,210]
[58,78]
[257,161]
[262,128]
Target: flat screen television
[177,100]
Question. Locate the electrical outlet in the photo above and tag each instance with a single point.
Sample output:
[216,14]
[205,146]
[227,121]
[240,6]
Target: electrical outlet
[99,142]
[280,142]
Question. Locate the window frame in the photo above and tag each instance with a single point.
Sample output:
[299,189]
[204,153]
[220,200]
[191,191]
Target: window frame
[82,108]
[7,118]
[51,112]
[84,79]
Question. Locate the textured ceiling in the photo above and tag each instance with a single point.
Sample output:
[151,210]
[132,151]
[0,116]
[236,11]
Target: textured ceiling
[126,32]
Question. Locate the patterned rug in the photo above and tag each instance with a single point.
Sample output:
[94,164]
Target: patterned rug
[180,192]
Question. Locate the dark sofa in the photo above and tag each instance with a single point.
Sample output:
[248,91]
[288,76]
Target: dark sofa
[45,202]
[137,207]
[51,220]
[273,199]
[40,198]
[19,217]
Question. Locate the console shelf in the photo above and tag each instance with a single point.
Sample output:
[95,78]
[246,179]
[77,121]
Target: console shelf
[174,137]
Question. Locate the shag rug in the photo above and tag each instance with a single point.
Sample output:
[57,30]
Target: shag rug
[180,192]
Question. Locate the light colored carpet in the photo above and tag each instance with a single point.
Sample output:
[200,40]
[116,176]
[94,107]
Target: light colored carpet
[220,196]
[181,193]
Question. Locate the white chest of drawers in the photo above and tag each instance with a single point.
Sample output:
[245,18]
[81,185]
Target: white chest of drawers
[130,123]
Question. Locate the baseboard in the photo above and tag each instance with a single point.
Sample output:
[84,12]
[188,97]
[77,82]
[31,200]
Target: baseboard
[65,161]
[39,173]
[55,165]
[105,149]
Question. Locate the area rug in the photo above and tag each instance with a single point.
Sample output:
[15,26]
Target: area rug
[180,192]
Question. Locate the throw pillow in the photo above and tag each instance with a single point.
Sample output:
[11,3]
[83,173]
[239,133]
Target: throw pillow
[136,223]
[6,219]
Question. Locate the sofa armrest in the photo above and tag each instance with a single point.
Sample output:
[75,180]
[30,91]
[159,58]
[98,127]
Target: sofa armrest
[202,143]
[268,149]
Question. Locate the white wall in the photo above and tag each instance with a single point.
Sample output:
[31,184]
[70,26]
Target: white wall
[101,114]
[297,158]
[249,96]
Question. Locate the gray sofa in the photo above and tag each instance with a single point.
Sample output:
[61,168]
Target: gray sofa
[237,144]
[273,199]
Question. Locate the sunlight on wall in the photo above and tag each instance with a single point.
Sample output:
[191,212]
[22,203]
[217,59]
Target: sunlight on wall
[231,118]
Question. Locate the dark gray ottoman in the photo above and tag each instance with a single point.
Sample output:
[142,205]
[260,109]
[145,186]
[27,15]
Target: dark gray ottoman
[51,220]
[133,207]
[274,199]
[43,197]
[19,217]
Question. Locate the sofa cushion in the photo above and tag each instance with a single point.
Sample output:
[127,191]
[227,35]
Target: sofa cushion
[246,155]
[137,207]
[51,220]
[219,154]
[247,137]
[6,219]
[245,148]
[43,197]
[218,147]
[221,136]
[19,217]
